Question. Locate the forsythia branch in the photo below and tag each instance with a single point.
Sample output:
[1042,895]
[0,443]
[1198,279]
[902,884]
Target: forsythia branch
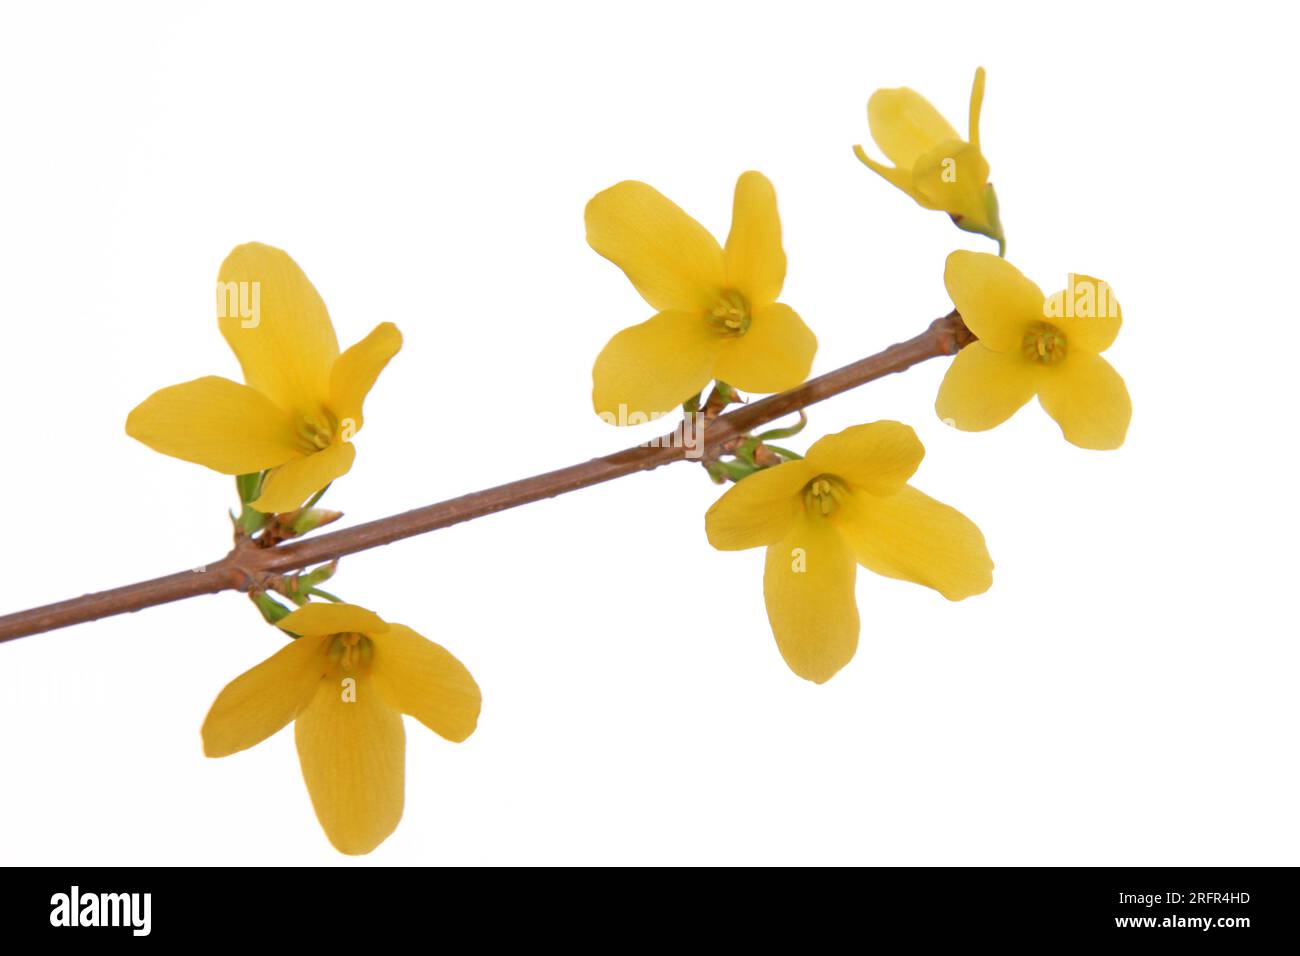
[249,566]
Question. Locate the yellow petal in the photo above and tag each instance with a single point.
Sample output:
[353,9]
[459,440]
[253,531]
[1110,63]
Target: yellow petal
[260,701]
[902,178]
[653,367]
[217,423]
[353,756]
[954,177]
[671,259]
[774,354]
[754,257]
[319,619]
[983,388]
[1087,312]
[976,105]
[905,126]
[995,300]
[759,509]
[1088,399]
[420,678]
[286,347]
[808,586]
[355,372]
[294,482]
[880,456]
[910,536]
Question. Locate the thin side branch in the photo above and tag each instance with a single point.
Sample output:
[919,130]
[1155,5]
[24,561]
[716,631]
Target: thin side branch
[256,568]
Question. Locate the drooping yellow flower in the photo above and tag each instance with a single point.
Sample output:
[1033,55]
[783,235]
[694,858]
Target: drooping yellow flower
[345,683]
[932,164]
[718,316]
[846,503]
[1031,345]
[301,406]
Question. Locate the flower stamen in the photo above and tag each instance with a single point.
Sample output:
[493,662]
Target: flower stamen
[351,651]
[316,432]
[1045,344]
[821,495]
[730,314]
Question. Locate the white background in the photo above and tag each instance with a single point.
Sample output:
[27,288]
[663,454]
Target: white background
[1125,693]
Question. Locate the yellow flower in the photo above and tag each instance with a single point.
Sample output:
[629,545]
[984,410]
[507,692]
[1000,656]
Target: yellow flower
[1029,345]
[718,315]
[846,503]
[302,404]
[931,162]
[345,683]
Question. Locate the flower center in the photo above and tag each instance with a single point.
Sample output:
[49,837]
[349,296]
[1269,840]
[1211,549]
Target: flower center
[1044,344]
[316,432]
[730,314]
[821,495]
[351,652]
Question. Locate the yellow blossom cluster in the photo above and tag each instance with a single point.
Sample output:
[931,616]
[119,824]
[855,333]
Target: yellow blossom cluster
[346,676]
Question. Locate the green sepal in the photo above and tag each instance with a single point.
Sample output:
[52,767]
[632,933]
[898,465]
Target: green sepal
[318,575]
[249,486]
[994,227]
[723,393]
[250,520]
[724,471]
[745,451]
[316,497]
[786,453]
[788,432]
[309,519]
[273,612]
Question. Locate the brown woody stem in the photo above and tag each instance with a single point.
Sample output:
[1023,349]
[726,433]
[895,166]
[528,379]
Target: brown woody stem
[249,566]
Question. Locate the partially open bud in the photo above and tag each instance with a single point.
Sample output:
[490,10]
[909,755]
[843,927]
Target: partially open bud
[932,163]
